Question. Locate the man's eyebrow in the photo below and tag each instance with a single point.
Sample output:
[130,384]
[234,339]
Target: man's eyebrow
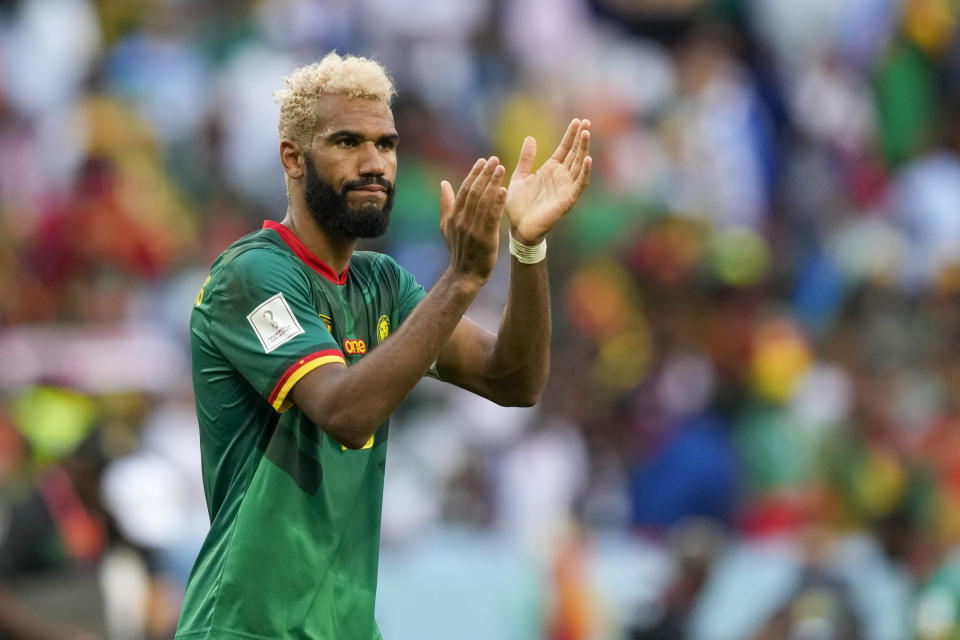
[343,133]
[347,133]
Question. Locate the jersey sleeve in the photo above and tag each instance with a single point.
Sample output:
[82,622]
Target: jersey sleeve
[264,321]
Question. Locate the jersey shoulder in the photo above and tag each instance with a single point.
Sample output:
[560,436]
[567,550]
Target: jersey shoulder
[378,267]
[256,263]
[371,261]
[257,251]
[248,268]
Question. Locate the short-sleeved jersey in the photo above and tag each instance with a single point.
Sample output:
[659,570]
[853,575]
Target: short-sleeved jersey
[293,545]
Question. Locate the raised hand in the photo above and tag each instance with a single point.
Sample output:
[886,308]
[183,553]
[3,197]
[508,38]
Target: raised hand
[537,200]
[470,220]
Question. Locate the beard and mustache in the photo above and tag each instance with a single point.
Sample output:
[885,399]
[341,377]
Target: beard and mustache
[331,212]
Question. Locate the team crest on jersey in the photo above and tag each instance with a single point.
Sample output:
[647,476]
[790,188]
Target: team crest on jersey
[327,322]
[274,323]
[383,328]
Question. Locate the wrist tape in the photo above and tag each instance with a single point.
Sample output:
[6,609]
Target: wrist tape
[527,254]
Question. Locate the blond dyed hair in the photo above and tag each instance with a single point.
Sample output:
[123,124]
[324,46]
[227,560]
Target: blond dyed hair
[351,76]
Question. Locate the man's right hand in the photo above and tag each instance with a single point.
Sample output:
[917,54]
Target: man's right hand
[470,220]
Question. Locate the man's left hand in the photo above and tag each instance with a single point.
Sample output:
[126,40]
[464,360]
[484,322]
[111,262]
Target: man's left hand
[537,200]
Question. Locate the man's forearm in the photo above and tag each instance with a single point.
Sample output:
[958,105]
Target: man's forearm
[352,404]
[521,355]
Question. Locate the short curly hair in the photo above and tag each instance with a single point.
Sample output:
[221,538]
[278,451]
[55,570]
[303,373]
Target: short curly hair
[352,76]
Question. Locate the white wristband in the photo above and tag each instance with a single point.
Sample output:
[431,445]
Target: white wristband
[527,254]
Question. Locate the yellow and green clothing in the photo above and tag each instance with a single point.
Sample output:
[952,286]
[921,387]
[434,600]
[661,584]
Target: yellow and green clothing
[293,546]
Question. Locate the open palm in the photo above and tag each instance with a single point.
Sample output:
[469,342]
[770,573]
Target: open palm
[537,200]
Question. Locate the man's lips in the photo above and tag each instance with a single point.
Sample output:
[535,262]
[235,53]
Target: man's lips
[370,188]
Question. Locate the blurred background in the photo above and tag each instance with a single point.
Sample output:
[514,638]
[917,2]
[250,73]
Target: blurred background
[751,429]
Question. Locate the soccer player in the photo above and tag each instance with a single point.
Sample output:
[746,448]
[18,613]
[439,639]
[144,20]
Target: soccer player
[303,347]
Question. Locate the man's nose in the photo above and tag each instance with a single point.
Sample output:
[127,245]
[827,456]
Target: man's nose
[371,160]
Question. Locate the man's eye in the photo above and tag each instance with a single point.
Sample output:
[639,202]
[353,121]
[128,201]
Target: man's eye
[387,145]
[347,142]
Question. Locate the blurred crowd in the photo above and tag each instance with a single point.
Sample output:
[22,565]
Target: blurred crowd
[749,431]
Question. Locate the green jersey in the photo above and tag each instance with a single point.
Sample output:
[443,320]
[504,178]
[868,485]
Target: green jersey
[294,536]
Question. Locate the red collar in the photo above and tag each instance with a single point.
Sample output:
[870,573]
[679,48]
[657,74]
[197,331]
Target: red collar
[303,252]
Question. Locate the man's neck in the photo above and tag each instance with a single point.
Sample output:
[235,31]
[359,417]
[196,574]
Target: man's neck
[332,250]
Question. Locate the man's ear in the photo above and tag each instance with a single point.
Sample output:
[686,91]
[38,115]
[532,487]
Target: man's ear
[291,155]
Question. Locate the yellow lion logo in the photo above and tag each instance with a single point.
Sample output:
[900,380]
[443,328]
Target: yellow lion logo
[383,328]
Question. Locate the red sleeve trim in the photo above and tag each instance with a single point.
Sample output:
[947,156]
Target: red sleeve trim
[278,397]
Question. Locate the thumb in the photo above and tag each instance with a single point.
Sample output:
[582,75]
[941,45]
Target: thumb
[528,152]
[447,199]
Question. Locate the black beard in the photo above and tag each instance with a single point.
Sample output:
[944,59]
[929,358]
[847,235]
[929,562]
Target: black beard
[331,212]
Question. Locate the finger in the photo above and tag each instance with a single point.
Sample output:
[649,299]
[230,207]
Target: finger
[468,182]
[447,199]
[577,144]
[527,154]
[487,213]
[582,150]
[478,186]
[584,178]
[488,194]
[497,208]
[471,192]
[492,212]
[567,142]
